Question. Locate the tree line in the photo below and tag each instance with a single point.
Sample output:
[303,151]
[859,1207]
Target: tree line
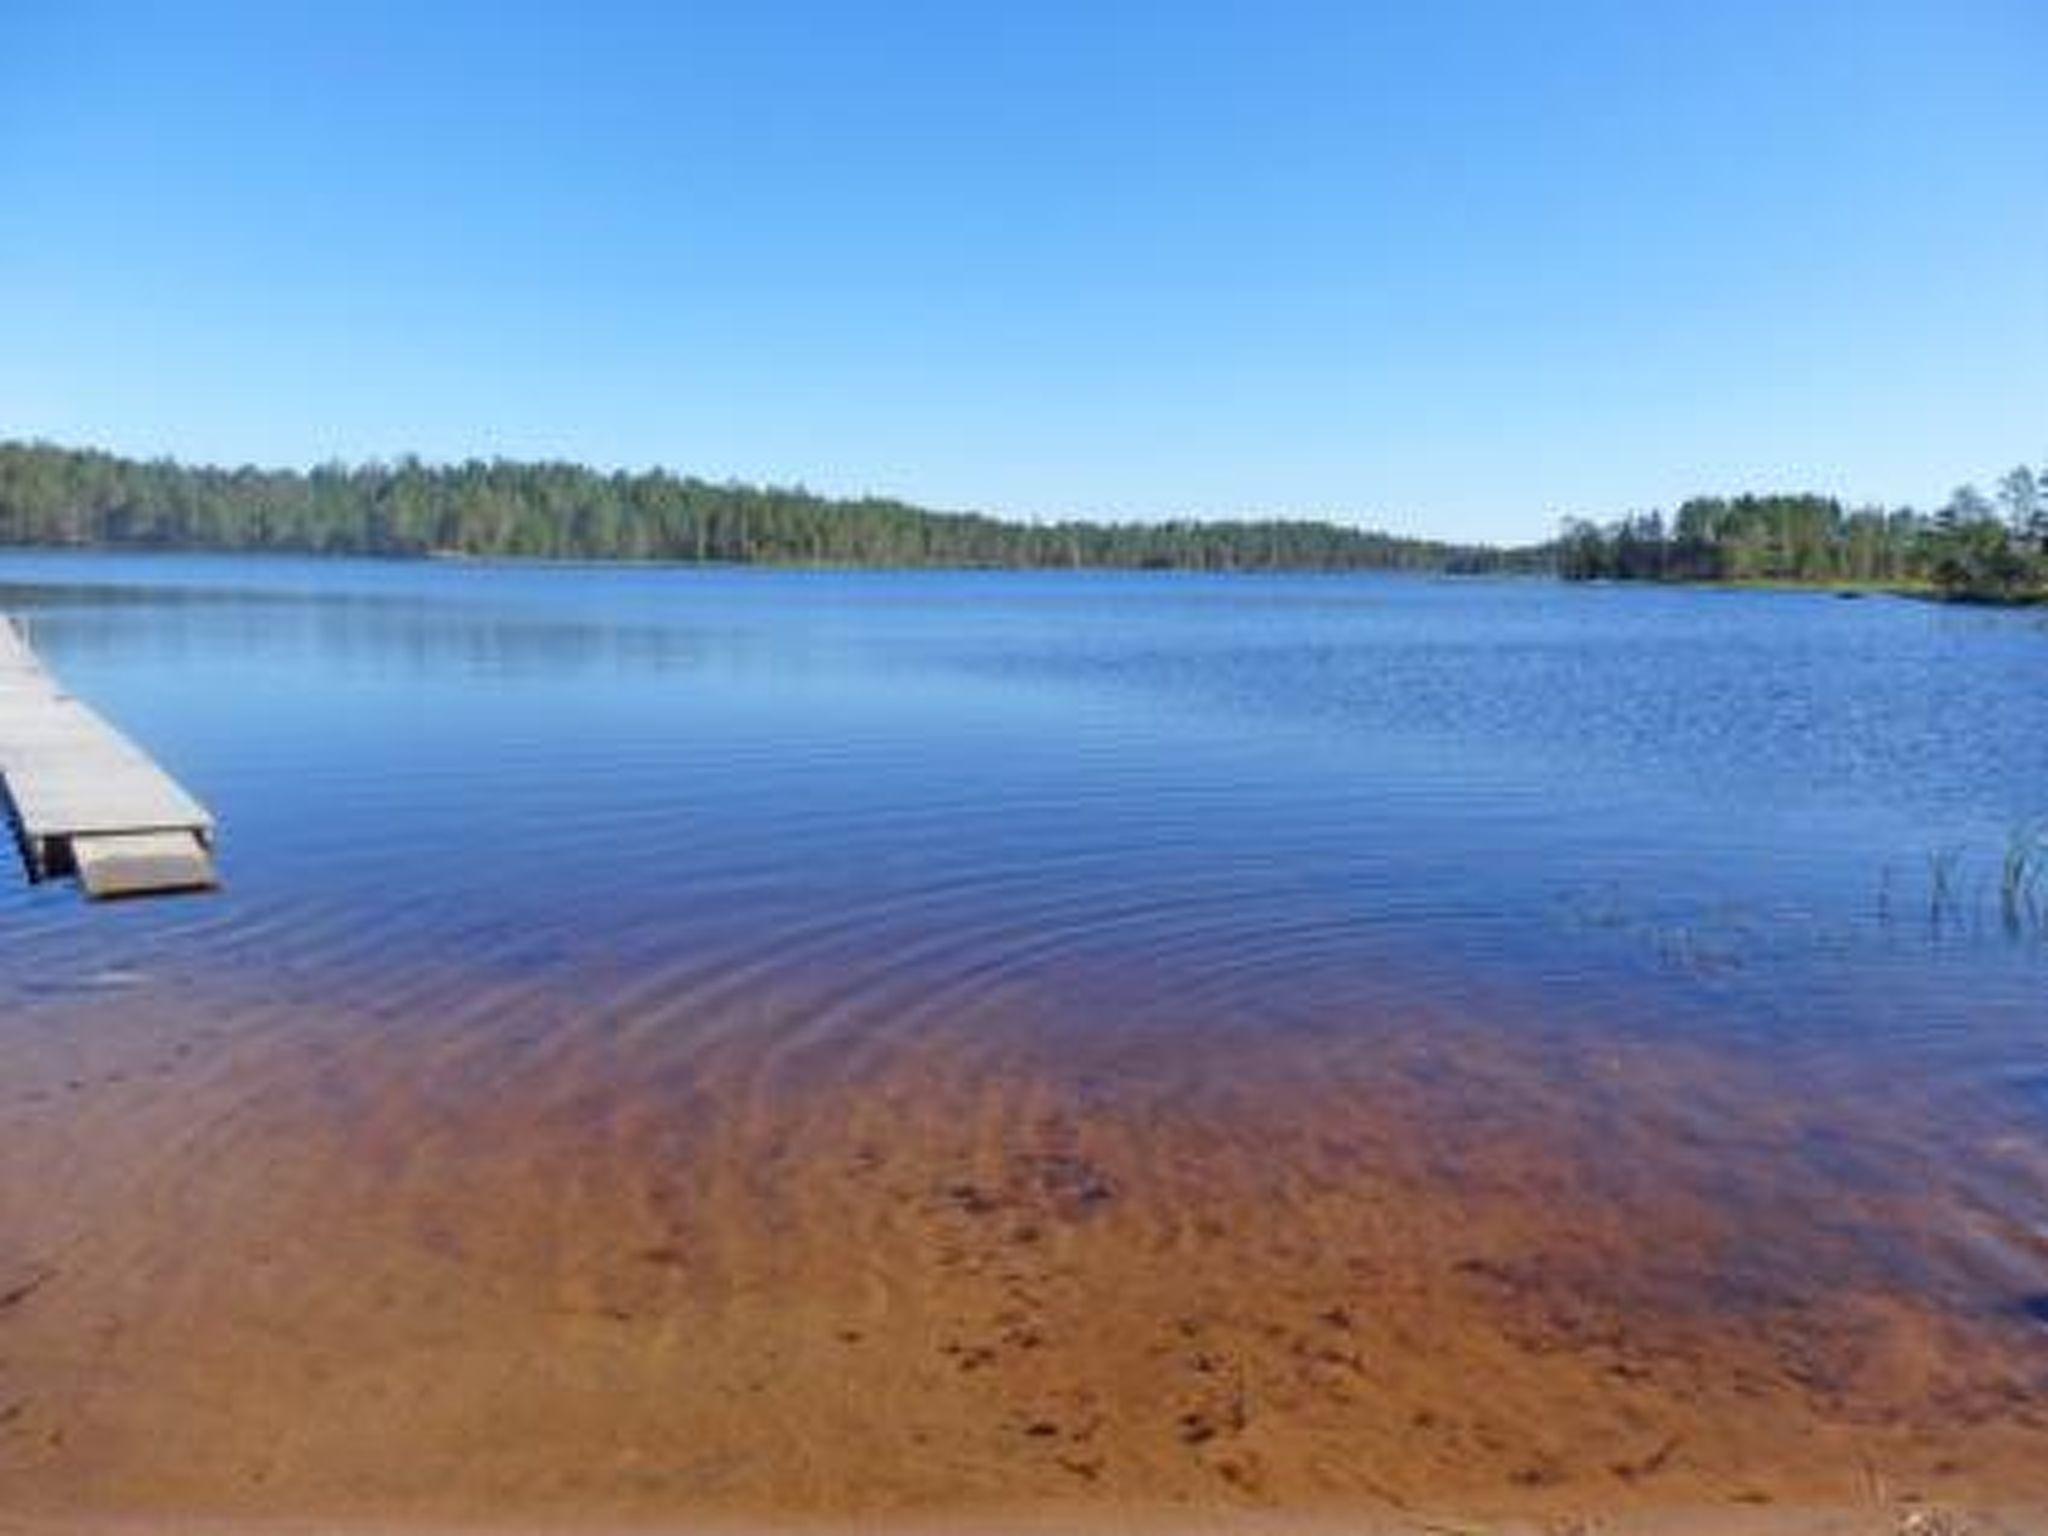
[69,497]
[1987,548]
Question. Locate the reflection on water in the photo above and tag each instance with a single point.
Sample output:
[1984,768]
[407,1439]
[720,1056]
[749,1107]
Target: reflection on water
[1593,967]
[1244,784]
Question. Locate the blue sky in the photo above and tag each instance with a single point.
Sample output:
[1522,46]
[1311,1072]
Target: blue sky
[1454,268]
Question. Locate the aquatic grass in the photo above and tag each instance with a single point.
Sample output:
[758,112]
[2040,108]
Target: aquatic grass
[2021,880]
[1960,888]
[1944,892]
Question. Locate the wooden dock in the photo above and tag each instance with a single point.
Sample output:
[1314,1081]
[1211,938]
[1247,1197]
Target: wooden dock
[84,800]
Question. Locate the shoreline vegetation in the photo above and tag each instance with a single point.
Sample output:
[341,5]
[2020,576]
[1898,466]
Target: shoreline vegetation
[1975,548]
[81,498]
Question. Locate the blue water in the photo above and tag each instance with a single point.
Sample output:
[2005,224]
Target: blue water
[1771,822]
[1612,984]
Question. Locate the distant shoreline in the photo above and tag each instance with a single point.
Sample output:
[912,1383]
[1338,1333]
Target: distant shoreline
[66,498]
[458,559]
[1911,591]
[1972,549]
[57,496]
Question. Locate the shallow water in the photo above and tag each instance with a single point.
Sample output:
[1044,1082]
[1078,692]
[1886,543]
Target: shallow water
[1770,817]
[1675,904]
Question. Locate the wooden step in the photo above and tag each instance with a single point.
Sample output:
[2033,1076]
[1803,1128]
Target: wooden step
[142,864]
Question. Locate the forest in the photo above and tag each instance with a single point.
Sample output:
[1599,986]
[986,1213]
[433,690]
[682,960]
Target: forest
[79,498]
[1974,547]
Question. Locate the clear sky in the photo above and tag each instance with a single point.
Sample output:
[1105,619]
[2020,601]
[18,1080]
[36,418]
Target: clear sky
[1442,267]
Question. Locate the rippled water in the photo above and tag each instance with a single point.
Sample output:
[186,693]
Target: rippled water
[1245,785]
[1610,993]
[844,807]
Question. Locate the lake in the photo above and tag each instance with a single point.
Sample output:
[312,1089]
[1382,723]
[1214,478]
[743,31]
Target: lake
[1539,1045]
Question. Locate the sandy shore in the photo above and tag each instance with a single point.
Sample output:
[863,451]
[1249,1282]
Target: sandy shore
[344,1277]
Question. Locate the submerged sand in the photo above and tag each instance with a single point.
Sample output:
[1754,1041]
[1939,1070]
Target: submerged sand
[266,1271]
[1906,1519]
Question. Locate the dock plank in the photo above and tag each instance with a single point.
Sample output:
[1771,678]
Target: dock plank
[70,776]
